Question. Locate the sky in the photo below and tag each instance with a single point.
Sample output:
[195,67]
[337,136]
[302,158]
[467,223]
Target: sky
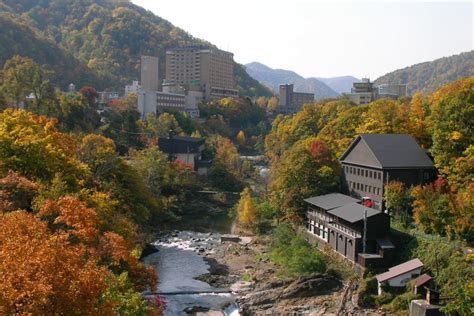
[323,38]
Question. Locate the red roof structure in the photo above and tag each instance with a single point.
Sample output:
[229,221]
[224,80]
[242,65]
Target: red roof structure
[422,280]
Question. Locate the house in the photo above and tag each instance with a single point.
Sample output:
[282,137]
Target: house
[400,275]
[373,160]
[340,221]
[185,149]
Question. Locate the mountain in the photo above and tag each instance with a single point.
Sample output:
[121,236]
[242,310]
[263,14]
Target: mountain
[429,76]
[94,41]
[342,84]
[272,78]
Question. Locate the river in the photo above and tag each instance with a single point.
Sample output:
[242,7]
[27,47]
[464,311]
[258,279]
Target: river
[178,262]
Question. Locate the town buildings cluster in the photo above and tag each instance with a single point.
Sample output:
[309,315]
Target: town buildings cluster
[364,92]
[193,74]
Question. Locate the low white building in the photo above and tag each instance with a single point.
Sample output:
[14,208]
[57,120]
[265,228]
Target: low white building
[157,101]
[133,88]
[400,275]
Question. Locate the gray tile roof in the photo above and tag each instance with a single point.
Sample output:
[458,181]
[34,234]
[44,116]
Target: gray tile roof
[387,151]
[331,200]
[353,212]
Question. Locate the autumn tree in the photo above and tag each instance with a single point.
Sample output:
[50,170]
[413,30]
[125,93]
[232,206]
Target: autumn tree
[226,170]
[272,104]
[385,117]
[99,153]
[34,147]
[396,201]
[419,125]
[453,134]
[42,273]
[241,138]
[246,208]
[340,132]
[432,208]
[90,95]
[306,169]
[22,76]
[261,102]
[16,192]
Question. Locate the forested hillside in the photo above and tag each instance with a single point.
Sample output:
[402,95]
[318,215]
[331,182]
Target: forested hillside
[93,41]
[429,76]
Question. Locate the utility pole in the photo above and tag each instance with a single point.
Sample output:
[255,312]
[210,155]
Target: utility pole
[364,240]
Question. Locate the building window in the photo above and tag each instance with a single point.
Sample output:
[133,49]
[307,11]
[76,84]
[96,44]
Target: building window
[370,174]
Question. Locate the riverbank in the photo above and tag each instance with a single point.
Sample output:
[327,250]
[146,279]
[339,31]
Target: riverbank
[254,279]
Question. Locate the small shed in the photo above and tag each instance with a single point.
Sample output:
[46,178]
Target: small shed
[400,275]
[421,282]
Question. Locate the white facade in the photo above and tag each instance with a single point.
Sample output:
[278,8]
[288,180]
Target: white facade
[193,98]
[187,158]
[146,103]
[133,88]
[400,280]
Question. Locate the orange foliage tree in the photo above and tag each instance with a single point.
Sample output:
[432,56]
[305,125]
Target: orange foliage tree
[43,273]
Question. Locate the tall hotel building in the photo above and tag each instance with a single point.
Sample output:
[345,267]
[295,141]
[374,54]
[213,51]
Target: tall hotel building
[202,68]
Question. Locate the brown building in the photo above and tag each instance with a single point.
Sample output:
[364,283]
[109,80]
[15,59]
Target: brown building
[149,73]
[209,69]
[291,101]
[339,220]
[373,160]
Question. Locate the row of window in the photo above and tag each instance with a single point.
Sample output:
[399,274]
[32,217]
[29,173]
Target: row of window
[364,188]
[363,172]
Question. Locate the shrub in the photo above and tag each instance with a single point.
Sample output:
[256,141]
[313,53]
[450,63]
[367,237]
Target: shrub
[294,254]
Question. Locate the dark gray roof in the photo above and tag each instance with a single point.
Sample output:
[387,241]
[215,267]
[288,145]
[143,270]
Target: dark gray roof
[386,151]
[180,144]
[331,200]
[353,212]
[385,243]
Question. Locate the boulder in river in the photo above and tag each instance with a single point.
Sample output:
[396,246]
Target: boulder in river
[195,309]
[148,250]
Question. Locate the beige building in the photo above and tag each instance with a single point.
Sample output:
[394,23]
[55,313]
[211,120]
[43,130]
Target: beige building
[292,102]
[365,92]
[202,68]
[149,73]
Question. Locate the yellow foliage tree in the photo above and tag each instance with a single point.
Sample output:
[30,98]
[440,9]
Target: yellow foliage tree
[246,208]
[241,138]
[272,103]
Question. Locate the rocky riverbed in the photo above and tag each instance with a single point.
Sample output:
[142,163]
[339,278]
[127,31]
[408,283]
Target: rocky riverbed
[201,274]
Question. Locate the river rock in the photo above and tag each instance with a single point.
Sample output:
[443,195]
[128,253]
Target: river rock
[268,294]
[148,250]
[195,309]
[228,237]
[311,286]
